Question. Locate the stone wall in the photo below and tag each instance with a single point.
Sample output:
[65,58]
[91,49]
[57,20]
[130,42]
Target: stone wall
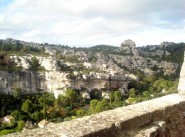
[181,86]
[161,117]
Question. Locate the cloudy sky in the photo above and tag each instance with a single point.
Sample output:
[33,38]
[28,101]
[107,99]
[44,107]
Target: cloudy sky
[91,22]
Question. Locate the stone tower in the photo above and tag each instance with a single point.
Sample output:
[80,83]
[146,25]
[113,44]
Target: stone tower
[181,86]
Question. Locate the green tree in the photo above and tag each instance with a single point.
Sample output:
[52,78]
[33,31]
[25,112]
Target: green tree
[17,93]
[111,96]
[16,114]
[62,101]
[20,125]
[72,58]
[80,112]
[132,93]
[92,108]
[102,105]
[71,96]
[37,116]
[49,98]
[34,64]
[146,94]
[117,99]
[117,96]
[41,101]
[131,100]
[44,108]
[27,106]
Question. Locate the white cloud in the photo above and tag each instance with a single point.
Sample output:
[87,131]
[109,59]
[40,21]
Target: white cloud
[85,23]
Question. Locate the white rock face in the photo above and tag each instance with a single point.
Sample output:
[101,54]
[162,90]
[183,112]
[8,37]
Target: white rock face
[181,86]
[57,82]
[49,64]
[22,61]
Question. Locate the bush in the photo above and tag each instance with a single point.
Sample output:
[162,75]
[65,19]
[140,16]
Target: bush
[72,59]
[6,131]
[37,116]
[20,125]
[27,106]
[67,118]
[16,114]
[80,112]
[23,117]
[34,64]
[102,105]
[131,100]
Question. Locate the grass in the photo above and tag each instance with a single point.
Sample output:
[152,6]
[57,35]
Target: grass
[7,131]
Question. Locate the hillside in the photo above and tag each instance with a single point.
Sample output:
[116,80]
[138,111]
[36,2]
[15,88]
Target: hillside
[60,83]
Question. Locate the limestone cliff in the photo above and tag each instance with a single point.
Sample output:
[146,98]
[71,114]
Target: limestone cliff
[28,81]
[54,81]
[101,67]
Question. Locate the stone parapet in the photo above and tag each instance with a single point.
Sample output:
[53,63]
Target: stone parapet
[162,116]
[181,85]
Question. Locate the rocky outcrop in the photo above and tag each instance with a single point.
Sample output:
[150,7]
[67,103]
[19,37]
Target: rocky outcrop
[129,47]
[127,44]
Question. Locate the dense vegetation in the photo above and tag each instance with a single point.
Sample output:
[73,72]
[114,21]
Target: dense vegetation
[176,51]
[36,107]
[6,64]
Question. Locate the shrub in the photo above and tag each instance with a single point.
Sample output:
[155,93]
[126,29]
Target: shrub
[20,125]
[6,131]
[67,118]
[16,114]
[80,113]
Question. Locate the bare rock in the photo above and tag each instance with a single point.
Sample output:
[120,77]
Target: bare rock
[128,44]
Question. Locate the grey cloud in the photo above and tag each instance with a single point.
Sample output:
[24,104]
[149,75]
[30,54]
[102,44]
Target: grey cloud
[94,21]
[142,11]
